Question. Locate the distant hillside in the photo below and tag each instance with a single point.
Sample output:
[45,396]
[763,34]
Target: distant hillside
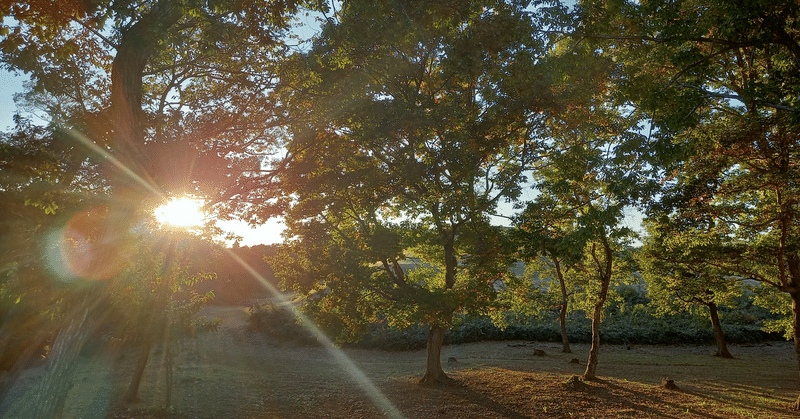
[234,285]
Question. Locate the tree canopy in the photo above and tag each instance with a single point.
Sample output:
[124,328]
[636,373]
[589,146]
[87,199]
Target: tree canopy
[388,142]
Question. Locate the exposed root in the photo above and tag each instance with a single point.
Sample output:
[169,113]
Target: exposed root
[575,383]
[428,380]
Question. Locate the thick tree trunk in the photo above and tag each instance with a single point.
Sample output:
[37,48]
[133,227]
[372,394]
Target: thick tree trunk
[133,388]
[562,315]
[434,373]
[722,347]
[54,385]
[796,325]
[7,381]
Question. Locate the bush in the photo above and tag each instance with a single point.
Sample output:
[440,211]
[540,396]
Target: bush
[279,323]
[628,325]
[628,320]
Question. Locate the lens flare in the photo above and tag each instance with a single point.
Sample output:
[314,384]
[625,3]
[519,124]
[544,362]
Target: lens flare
[77,249]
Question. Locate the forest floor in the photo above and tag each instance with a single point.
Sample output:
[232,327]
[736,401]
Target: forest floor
[236,373]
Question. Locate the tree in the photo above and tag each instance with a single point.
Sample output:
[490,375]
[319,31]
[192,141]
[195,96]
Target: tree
[413,122]
[593,250]
[158,296]
[592,172]
[42,176]
[675,284]
[156,90]
[142,82]
[718,82]
[545,238]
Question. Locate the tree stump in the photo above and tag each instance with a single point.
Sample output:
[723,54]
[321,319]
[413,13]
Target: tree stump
[668,384]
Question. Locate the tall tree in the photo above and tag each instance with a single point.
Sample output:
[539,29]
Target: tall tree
[592,173]
[546,239]
[415,119]
[719,82]
[593,249]
[171,95]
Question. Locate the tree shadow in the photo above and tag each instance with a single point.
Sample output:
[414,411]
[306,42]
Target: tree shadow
[456,388]
[662,401]
[739,395]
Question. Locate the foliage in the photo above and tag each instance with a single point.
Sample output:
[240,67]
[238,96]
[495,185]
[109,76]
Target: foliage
[388,144]
[135,92]
[717,83]
[630,319]
[408,134]
[779,305]
[279,323]
[233,283]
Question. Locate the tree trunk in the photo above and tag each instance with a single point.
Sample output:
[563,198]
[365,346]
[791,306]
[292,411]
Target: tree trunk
[594,352]
[722,347]
[562,319]
[168,361]
[51,392]
[604,269]
[7,381]
[796,326]
[562,315]
[133,387]
[434,373]
[168,378]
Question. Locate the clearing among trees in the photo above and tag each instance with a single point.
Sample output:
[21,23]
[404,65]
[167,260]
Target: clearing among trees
[233,372]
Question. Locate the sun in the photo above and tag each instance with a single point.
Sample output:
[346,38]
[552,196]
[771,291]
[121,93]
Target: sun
[181,212]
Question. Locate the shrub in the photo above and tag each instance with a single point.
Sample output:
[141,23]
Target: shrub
[279,323]
[629,319]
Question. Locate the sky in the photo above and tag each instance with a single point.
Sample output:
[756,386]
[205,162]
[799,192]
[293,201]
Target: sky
[9,85]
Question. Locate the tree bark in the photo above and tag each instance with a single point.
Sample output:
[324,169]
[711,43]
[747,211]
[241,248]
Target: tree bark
[722,347]
[54,385]
[562,319]
[604,270]
[137,45]
[434,373]
[594,352]
[562,315]
[7,381]
[168,376]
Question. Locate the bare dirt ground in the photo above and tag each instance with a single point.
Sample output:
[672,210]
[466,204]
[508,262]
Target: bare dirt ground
[236,373]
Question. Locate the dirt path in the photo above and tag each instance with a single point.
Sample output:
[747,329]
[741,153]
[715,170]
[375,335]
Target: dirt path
[236,373]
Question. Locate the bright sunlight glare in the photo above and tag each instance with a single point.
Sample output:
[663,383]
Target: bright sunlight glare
[181,212]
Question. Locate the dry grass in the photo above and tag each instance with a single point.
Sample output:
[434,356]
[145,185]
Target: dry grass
[233,373]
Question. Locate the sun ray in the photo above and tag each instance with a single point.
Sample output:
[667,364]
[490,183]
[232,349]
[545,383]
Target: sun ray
[369,388]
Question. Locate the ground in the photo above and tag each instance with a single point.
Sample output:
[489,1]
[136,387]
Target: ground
[237,373]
